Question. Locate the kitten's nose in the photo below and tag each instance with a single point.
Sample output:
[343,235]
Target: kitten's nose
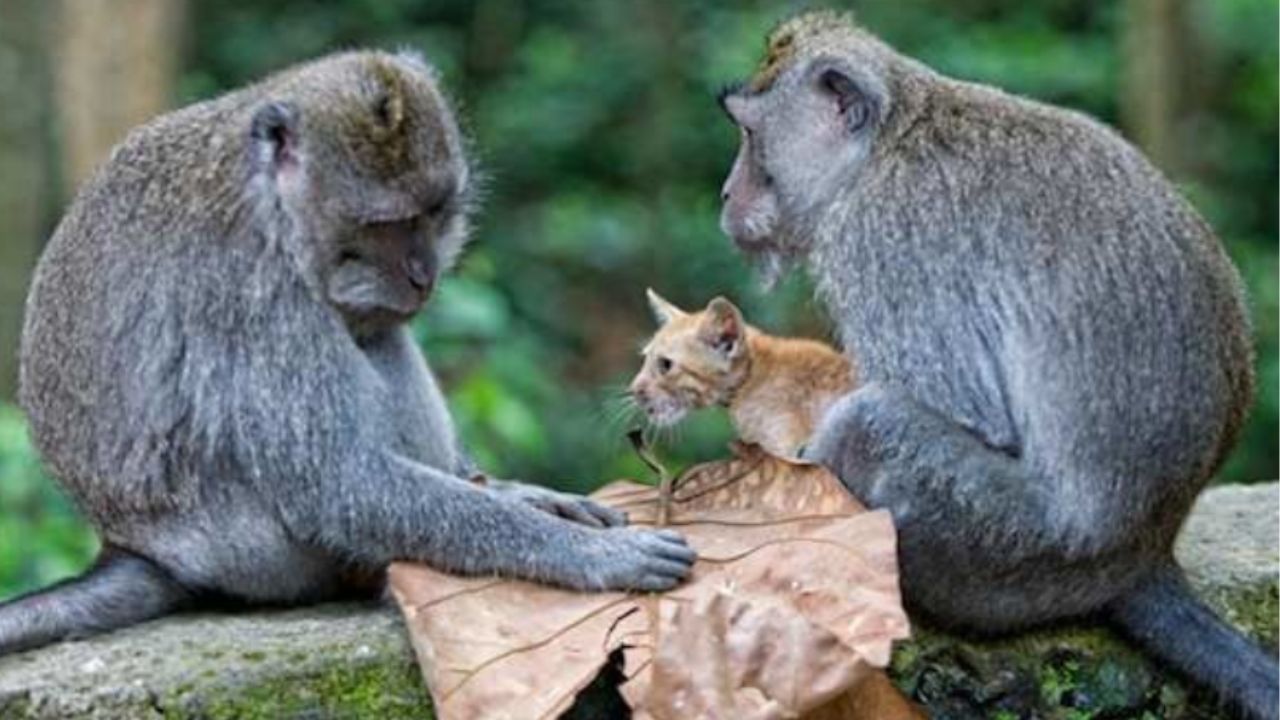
[637,391]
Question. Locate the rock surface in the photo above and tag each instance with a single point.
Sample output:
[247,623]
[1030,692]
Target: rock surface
[1230,549]
[333,661]
[353,661]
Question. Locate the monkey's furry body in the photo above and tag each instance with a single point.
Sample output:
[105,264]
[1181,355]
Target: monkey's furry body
[1054,348]
[215,366]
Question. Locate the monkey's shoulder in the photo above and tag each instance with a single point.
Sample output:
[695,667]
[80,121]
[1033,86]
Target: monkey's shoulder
[989,126]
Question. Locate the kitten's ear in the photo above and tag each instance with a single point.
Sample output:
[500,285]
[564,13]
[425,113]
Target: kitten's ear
[723,328]
[663,311]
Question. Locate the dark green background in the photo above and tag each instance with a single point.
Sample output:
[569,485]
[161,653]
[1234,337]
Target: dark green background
[595,124]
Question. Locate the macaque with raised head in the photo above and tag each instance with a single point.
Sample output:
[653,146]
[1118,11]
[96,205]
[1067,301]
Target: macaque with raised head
[216,368]
[1053,347]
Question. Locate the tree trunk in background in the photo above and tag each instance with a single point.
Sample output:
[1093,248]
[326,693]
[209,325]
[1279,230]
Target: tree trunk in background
[25,178]
[117,66]
[1155,58]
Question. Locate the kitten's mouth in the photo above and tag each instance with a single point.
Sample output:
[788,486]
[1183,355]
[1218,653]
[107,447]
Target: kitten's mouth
[664,415]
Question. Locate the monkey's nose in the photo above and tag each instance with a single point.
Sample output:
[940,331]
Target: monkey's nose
[419,273]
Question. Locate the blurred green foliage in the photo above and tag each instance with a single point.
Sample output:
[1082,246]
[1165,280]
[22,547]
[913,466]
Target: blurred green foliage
[595,126]
[41,538]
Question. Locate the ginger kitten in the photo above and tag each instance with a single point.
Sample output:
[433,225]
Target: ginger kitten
[775,389]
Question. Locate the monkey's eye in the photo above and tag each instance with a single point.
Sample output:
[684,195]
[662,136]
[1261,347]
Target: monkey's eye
[664,365]
[398,230]
[437,208]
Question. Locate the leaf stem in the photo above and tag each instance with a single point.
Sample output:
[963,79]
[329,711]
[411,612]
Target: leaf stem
[665,479]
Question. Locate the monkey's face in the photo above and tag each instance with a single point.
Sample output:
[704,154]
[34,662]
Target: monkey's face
[803,139]
[366,160]
[384,269]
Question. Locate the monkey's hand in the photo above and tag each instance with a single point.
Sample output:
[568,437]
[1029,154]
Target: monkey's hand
[627,559]
[566,505]
[851,441]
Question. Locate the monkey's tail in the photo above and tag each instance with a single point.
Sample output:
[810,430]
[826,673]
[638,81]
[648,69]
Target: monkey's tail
[1165,617]
[120,589]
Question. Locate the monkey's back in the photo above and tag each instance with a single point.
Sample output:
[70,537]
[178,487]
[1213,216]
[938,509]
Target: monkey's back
[110,300]
[991,209]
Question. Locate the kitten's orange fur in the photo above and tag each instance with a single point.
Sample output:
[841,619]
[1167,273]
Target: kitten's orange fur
[776,389]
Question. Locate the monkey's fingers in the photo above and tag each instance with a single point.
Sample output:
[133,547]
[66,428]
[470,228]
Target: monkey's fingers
[607,516]
[670,561]
[656,583]
[578,509]
[674,547]
[636,559]
[572,509]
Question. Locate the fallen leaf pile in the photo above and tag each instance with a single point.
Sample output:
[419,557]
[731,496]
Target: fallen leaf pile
[791,611]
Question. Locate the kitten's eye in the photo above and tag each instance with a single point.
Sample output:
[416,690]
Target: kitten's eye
[664,365]
[348,256]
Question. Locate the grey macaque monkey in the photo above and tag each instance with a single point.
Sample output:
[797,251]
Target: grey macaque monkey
[216,368]
[1054,347]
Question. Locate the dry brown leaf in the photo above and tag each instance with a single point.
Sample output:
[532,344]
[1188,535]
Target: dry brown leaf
[793,601]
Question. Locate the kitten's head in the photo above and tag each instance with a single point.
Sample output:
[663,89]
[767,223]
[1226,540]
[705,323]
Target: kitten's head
[694,360]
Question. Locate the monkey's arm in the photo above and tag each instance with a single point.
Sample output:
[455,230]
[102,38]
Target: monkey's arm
[894,453]
[398,509]
[565,505]
[946,488]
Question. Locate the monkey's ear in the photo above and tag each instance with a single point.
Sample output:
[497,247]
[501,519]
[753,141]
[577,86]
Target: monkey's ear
[722,328]
[737,106]
[663,311]
[274,132]
[414,57]
[856,108]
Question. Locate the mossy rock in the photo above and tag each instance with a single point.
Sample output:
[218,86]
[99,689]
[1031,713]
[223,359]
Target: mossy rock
[1230,551]
[354,661]
[333,661]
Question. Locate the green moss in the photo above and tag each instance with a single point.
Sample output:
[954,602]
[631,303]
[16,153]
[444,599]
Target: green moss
[1064,674]
[15,707]
[389,690]
[1256,610]
[1068,673]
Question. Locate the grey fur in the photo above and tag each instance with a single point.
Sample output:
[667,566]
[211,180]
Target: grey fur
[215,365]
[1054,347]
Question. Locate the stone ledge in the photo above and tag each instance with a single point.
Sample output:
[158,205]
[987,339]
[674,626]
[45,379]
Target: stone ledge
[1231,552]
[331,661]
[353,661]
